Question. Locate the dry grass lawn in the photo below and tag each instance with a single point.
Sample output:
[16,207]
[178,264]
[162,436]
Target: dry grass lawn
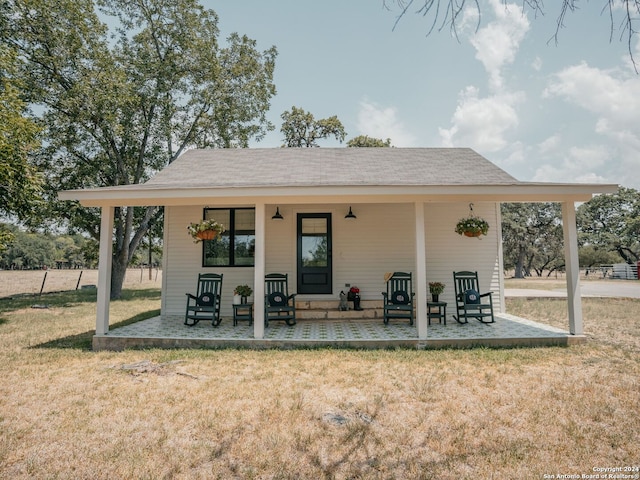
[16,282]
[67,412]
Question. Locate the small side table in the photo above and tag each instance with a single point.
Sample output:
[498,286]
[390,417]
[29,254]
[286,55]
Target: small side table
[242,311]
[437,310]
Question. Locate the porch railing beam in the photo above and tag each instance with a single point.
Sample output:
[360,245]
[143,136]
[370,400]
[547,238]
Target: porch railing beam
[574,302]
[421,272]
[259,272]
[105,262]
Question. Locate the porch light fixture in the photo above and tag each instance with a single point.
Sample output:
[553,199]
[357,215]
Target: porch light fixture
[277,215]
[350,215]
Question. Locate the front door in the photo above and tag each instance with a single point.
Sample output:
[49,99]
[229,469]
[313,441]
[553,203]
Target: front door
[314,253]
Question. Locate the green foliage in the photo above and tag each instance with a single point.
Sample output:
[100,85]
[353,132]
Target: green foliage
[472,224]
[31,250]
[532,237]
[243,290]
[590,256]
[20,183]
[120,105]
[366,141]
[194,229]
[611,223]
[436,288]
[6,237]
[301,129]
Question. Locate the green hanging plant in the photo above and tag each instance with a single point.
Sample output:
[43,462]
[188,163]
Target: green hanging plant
[205,230]
[472,226]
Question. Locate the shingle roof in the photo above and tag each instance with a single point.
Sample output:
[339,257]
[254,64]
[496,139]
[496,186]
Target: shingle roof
[257,167]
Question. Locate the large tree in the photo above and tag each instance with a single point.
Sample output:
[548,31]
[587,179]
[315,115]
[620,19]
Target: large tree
[623,15]
[119,105]
[20,183]
[532,237]
[612,223]
[367,141]
[301,129]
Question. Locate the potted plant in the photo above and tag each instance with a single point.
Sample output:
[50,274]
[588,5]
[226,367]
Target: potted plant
[472,226]
[436,288]
[243,291]
[353,295]
[205,230]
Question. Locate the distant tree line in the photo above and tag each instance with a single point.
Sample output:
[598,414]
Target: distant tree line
[608,232]
[36,250]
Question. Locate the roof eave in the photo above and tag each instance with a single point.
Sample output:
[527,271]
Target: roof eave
[145,195]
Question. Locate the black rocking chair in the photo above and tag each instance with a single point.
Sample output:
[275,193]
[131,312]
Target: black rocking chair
[205,305]
[469,302]
[278,304]
[398,299]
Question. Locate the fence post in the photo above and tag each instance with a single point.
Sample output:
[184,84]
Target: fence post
[78,284]
[42,287]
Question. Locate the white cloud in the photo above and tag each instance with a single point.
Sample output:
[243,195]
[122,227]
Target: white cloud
[537,64]
[481,123]
[580,164]
[549,144]
[497,44]
[378,122]
[614,98]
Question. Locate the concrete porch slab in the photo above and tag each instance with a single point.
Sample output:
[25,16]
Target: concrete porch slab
[170,332]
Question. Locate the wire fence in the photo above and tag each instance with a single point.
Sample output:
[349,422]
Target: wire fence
[38,282]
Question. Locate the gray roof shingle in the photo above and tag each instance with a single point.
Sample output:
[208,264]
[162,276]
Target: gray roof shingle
[272,167]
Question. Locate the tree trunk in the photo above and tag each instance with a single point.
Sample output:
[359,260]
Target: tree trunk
[126,244]
[118,272]
[520,263]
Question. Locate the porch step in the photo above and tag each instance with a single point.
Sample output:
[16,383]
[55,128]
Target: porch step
[335,314]
[328,310]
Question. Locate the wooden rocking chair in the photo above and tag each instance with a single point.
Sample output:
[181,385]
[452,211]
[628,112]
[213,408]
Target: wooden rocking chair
[205,304]
[398,299]
[278,304]
[469,302]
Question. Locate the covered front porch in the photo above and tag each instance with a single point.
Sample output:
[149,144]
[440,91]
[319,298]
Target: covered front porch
[169,332]
[391,210]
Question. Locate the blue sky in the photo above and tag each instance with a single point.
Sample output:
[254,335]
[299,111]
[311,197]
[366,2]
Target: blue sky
[543,112]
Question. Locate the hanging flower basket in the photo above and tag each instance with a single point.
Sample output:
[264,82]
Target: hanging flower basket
[472,226]
[205,230]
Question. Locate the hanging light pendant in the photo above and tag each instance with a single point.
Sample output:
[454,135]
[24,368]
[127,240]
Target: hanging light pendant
[350,214]
[277,215]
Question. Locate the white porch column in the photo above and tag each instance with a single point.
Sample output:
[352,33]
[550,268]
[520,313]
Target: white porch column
[421,272]
[104,270]
[258,272]
[574,302]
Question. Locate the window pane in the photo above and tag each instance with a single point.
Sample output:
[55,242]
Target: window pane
[216,252]
[220,216]
[314,251]
[314,225]
[245,220]
[240,241]
[244,249]
[244,238]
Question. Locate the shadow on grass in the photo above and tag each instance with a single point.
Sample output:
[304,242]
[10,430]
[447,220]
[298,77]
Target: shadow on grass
[72,298]
[83,341]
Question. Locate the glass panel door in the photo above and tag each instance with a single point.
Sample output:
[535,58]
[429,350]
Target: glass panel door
[314,253]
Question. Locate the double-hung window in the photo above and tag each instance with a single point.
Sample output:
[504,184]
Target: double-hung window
[236,246]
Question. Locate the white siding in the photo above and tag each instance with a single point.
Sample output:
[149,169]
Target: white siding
[380,240]
[448,252]
[183,263]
